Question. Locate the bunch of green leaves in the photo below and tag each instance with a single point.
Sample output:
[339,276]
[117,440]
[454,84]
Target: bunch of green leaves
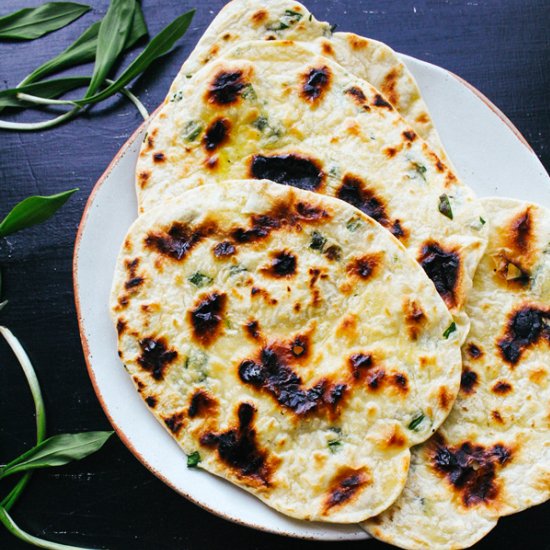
[54,451]
[57,450]
[103,42]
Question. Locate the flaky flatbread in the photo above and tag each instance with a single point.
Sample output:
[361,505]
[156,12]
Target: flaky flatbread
[491,457]
[275,110]
[288,342]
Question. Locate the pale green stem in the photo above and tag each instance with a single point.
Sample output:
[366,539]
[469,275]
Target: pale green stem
[34,386]
[15,530]
[30,126]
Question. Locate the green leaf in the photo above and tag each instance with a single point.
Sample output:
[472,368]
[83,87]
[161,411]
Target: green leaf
[80,51]
[317,241]
[200,279]
[84,48]
[158,46]
[450,329]
[32,211]
[112,37]
[354,224]
[192,130]
[57,451]
[193,459]
[416,421]
[334,445]
[46,89]
[31,23]
[445,206]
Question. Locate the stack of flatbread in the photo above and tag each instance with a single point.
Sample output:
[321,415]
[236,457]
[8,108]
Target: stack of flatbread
[316,307]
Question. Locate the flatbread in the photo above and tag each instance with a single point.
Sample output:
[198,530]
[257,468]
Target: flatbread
[273,109]
[289,340]
[491,457]
[373,61]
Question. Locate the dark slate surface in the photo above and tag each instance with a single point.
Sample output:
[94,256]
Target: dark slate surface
[110,499]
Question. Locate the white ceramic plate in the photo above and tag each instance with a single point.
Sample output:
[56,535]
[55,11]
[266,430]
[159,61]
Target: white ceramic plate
[489,154]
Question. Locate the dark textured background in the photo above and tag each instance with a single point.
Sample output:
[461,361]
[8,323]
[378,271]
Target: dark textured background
[110,499]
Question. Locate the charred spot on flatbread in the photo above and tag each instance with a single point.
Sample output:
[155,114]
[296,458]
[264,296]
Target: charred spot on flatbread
[206,317]
[143,178]
[415,318]
[179,239]
[315,83]
[155,356]
[216,134]
[470,469]
[283,264]
[357,95]
[239,448]
[356,192]
[521,231]
[134,280]
[289,169]
[226,87]
[366,266]
[468,381]
[202,403]
[121,325]
[252,328]
[443,267]
[346,486]
[271,371]
[175,422]
[527,326]
[474,351]
[224,249]
[151,401]
[260,16]
[389,85]
[379,101]
[359,364]
[501,387]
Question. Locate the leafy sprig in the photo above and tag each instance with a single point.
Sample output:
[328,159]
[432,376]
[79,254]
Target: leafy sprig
[104,42]
[57,450]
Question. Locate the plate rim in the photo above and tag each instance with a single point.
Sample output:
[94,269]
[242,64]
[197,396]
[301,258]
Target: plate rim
[84,341]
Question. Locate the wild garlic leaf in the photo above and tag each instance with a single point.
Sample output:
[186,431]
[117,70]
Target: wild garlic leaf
[57,451]
[416,421]
[83,49]
[80,51]
[193,459]
[32,211]
[158,46]
[450,329]
[47,89]
[113,33]
[200,279]
[31,23]
[445,206]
